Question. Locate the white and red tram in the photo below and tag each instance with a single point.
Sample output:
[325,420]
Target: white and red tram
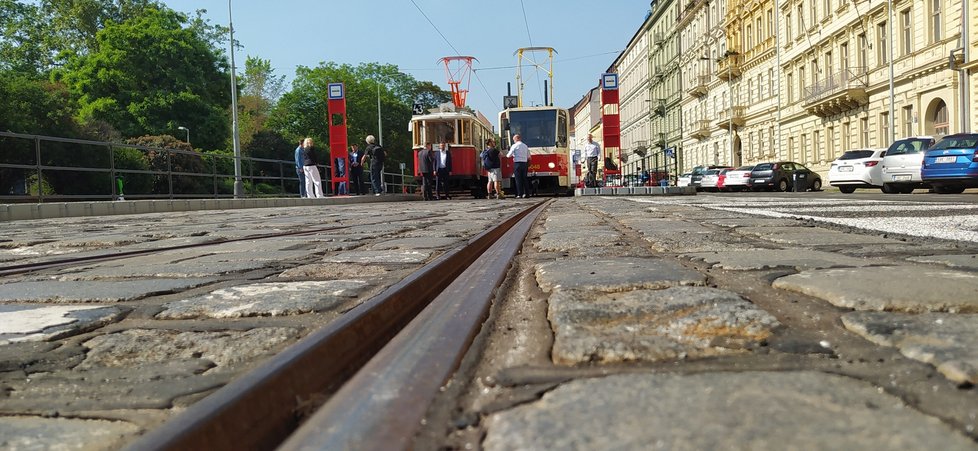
[465,135]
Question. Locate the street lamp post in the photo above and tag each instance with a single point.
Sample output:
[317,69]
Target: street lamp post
[186,130]
[238,184]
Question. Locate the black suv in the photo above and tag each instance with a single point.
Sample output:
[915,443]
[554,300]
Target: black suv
[782,176]
[697,174]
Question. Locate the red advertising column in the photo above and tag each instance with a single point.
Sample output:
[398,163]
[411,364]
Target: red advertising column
[611,122]
[336,108]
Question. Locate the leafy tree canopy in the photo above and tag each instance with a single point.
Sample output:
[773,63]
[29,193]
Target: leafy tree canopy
[150,75]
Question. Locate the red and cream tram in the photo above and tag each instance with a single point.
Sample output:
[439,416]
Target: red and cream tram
[465,135]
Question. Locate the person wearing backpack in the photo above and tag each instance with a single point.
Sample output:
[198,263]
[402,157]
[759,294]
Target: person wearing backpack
[377,156]
[492,164]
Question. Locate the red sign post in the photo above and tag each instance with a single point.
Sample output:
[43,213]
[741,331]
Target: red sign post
[336,108]
[610,121]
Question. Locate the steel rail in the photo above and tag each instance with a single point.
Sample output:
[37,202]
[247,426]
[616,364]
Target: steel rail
[382,407]
[259,410]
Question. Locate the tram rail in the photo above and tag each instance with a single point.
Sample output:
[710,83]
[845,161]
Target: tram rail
[411,335]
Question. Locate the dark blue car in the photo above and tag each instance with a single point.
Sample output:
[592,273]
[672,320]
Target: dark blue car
[951,165]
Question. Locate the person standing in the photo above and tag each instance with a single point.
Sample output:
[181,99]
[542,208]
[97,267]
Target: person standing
[426,165]
[591,152]
[377,156]
[493,167]
[299,171]
[314,184]
[521,156]
[356,171]
[443,160]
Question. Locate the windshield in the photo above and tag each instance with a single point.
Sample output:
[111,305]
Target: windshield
[957,142]
[856,154]
[440,132]
[908,146]
[764,167]
[536,128]
[745,168]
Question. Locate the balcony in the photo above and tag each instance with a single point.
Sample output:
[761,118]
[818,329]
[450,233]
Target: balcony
[699,86]
[729,66]
[701,129]
[738,118]
[840,92]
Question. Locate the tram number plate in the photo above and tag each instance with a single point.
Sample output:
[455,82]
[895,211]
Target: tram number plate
[945,159]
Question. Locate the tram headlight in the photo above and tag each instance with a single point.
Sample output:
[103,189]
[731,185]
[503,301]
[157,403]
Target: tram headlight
[551,165]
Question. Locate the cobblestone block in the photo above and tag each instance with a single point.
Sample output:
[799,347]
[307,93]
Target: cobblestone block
[92,291]
[266,299]
[66,434]
[615,274]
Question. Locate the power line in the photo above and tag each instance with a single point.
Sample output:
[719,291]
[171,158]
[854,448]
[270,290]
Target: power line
[530,38]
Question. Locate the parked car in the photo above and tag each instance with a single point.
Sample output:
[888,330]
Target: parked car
[951,165]
[684,179]
[734,179]
[858,168]
[782,176]
[901,165]
[698,172]
[710,179]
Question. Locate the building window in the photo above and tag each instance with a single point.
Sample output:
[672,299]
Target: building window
[828,8]
[759,29]
[830,144]
[817,145]
[749,38]
[787,25]
[791,148]
[908,120]
[814,13]
[770,139]
[770,81]
[881,43]
[863,53]
[864,132]
[941,126]
[803,152]
[845,136]
[770,23]
[844,57]
[884,133]
[907,32]
[801,19]
[791,88]
[828,65]
[935,15]
[801,82]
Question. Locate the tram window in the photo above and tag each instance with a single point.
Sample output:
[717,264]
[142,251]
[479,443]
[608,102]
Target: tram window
[536,128]
[466,127]
[417,135]
[440,132]
[561,129]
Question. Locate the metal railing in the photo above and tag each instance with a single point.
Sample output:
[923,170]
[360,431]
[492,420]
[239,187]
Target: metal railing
[35,168]
[854,77]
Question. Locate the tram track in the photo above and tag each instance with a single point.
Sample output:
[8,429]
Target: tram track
[379,365]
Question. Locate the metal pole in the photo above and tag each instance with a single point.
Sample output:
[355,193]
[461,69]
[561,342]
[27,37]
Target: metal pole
[730,90]
[380,125]
[777,71]
[238,184]
[966,44]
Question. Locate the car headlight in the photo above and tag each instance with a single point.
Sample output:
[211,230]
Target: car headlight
[551,165]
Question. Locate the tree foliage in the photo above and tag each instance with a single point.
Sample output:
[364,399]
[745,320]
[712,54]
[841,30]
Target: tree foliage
[261,88]
[150,75]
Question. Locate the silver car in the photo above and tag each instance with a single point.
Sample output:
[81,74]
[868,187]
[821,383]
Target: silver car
[736,179]
[860,168]
[901,165]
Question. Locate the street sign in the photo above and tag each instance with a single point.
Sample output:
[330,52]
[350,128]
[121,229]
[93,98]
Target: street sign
[510,102]
[609,81]
[335,91]
[671,152]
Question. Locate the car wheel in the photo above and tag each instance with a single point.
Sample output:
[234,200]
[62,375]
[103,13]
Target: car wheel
[948,189]
[906,189]
[783,185]
[817,185]
[888,188]
[847,189]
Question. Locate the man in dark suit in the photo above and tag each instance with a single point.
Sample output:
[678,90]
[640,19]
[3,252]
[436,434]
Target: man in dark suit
[356,171]
[443,163]
[426,165]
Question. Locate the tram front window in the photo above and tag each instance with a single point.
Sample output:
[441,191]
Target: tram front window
[536,128]
[440,132]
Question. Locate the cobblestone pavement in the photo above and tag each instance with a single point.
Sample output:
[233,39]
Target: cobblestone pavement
[91,355]
[719,322]
[751,322]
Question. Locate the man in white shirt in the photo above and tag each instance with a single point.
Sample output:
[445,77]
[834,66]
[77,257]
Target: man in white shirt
[521,156]
[443,163]
[591,151]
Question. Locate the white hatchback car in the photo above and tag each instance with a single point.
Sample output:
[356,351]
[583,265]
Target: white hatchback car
[736,179]
[684,179]
[710,179]
[901,165]
[858,168]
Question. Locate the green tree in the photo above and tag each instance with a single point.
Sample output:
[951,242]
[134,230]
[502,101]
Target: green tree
[261,88]
[303,112]
[151,74]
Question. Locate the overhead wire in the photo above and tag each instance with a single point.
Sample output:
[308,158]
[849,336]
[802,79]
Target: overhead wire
[455,49]
[530,38]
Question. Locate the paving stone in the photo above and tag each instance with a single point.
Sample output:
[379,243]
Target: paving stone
[969,261]
[891,288]
[266,299]
[93,291]
[754,222]
[557,222]
[664,226]
[619,274]
[144,385]
[225,348]
[417,243]
[772,258]
[379,257]
[947,341]
[35,323]
[334,271]
[811,236]
[650,325]
[579,240]
[167,264]
[63,434]
[749,410]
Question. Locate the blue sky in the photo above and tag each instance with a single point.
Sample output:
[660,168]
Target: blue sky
[587,36]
